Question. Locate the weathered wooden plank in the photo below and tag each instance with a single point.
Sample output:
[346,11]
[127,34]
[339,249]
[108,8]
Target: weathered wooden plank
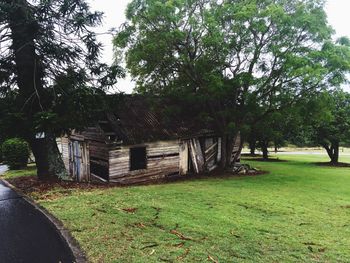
[211,148]
[168,158]
[118,170]
[63,141]
[164,162]
[157,173]
[158,163]
[145,178]
[212,167]
[196,155]
[118,154]
[219,150]
[116,162]
[211,158]
[156,151]
[162,166]
[236,151]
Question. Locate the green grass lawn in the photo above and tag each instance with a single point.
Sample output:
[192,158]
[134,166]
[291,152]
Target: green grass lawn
[299,212]
[30,170]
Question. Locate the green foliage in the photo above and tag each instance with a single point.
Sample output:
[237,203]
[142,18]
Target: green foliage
[51,78]
[16,153]
[334,123]
[324,120]
[233,56]
[70,80]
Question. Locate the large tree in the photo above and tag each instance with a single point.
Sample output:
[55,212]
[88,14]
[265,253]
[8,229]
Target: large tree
[50,72]
[231,55]
[331,127]
[268,131]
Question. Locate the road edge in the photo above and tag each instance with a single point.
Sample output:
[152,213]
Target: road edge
[64,233]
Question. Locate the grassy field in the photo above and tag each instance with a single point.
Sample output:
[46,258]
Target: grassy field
[299,212]
[29,171]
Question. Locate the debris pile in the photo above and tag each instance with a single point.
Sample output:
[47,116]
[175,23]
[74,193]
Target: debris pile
[240,168]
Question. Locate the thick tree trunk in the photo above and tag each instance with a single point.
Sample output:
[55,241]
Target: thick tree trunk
[264,149]
[252,147]
[226,151]
[239,140]
[333,152]
[24,30]
[48,159]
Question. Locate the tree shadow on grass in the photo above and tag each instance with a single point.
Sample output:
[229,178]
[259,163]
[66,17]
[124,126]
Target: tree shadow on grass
[335,165]
[259,158]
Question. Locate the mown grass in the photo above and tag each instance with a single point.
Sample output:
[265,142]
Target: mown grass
[30,170]
[299,212]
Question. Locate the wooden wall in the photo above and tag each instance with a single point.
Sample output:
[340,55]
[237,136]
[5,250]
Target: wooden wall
[162,160]
[64,149]
[98,150]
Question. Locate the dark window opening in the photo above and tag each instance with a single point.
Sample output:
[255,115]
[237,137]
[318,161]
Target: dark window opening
[99,168]
[138,158]
[112,137]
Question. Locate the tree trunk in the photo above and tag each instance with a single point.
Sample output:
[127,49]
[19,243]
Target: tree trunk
[264,149]
[252,147]
[48,159]
[24,30]
[226,151]
[333,152]
[240,147]
[335,158]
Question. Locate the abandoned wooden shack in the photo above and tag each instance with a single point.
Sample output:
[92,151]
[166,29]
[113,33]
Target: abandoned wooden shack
[137,144]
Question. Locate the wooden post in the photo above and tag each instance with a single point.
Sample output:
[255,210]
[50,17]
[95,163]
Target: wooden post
[183,158]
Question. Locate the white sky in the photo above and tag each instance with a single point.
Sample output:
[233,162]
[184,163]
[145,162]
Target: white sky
[338,16]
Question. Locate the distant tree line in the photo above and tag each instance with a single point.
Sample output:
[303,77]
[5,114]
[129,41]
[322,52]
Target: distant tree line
[322,121]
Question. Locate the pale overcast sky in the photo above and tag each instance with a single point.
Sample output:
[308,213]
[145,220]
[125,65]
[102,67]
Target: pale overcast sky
[337,10]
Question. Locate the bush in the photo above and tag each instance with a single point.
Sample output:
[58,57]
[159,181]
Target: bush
[15,153]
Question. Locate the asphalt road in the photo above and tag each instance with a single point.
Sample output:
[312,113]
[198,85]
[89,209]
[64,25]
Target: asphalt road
[26,235]
[3,169]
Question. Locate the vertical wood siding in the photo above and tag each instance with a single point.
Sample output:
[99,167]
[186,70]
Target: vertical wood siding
[64,151]
[184,158]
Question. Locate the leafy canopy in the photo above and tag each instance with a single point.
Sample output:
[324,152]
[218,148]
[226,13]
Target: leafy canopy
[68,79]
[333,124]
[236,56]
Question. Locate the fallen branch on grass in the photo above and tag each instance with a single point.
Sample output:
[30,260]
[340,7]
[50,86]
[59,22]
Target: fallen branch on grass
[180,235]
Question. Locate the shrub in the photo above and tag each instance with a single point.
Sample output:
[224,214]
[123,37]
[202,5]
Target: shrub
[15,153]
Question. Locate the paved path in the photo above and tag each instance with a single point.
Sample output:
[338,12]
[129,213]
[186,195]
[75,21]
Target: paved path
[26,235]
[3,169]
